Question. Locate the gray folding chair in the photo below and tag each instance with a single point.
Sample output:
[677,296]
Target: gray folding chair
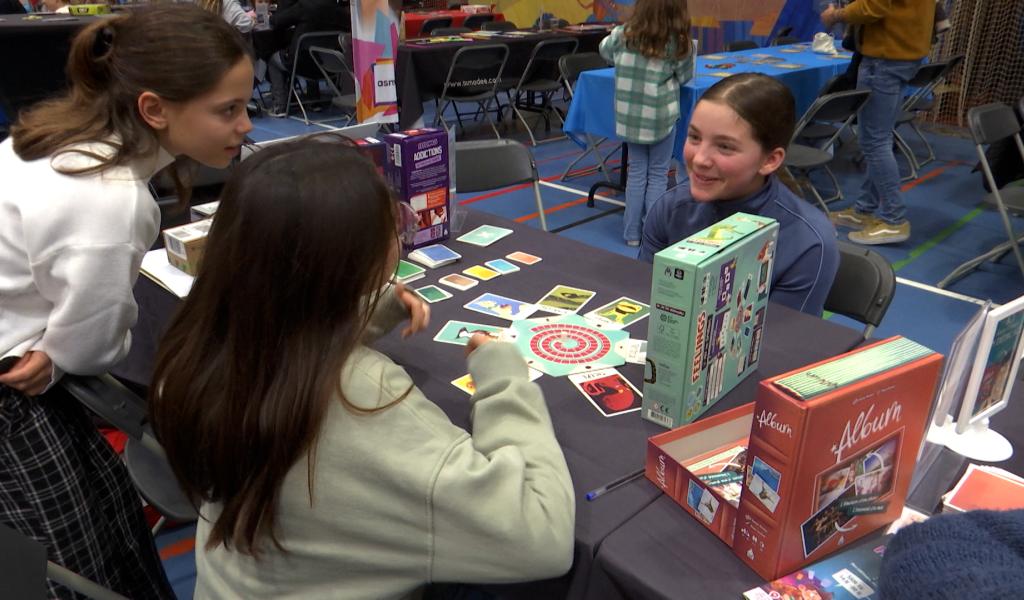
[25,569]
[926,81]
[863,288]
[431,24]
[475,22]
[741,45]
[338,73]
[499,26]
[570,66]
[840,107]
[541,77]
[989,124]
[473,76]
[143,455]
[302,65]
[491,164]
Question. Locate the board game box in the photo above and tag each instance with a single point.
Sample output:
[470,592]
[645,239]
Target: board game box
[826,452]
[417,170]
[709,295]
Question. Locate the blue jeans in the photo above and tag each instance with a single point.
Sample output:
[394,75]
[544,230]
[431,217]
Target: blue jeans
[887,79]
[646,181]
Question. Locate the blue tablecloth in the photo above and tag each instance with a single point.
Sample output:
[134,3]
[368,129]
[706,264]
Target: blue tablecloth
[592,109]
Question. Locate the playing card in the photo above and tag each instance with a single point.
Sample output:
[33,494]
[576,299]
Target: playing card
[432,293]
[522,257]
[407,271]
[502,266]
[713,56]
[481,273]
[485,235]
[635,351]
[465,383]
[609,392]
[563,300]
[434,256]
[459,282]
[459,332]
[502,307]
[791,50]
[618,313]
[791,66]
[721,74]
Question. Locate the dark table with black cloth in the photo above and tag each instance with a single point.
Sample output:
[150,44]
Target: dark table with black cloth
[597,449]
[421,69]
[36,53]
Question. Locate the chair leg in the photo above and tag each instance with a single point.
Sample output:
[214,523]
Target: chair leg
[908,154]
[529,131]
[590,149]
[835,185]
[920,135]
[302,107]
[805,181]
[540,206]
[484,105]
[966,267]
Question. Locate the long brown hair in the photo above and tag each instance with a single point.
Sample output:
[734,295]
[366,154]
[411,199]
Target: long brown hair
[659,29]
[763,101]
[177,51]
[213,6]
[298,249]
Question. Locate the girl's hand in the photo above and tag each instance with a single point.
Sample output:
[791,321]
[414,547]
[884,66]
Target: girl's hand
[478,339]
[30,375]
[419,311]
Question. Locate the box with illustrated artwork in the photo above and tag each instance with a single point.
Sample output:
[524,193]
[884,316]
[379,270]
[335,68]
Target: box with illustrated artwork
[417,170]
[709,295]
[823,457]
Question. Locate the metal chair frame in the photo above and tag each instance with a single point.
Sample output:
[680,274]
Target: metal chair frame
[547,51]
[926,80]
[570,66]
[483,98]
[333,65]
[491,164]
[306,38]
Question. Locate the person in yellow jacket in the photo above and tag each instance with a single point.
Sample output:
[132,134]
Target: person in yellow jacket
[894,36]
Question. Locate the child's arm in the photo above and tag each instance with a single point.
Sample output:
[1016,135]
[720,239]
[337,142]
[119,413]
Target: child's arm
[503,507]
[395,305]
[611,44]
[684,68]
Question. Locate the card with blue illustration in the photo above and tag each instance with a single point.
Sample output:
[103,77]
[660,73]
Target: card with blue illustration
[502,307]
[434,256]
[502,266]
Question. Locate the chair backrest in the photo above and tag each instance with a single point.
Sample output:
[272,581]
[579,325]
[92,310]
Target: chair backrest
[784,40]
[302,62]
[741,45]
[499,26]
[442,31]
[475,69]
[490,164]
[477,20]
[571,65]
[864,286]
[331,62]
[543,63]
[991,123]
[431,24]
[839,107]
[928,77]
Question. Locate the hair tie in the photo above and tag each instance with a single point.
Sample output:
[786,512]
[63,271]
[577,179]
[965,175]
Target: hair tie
[103,43]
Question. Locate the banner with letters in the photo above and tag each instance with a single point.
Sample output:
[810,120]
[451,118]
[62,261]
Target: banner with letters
[374,50]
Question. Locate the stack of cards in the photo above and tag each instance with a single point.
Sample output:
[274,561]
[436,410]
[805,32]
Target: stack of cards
[407,272]
[432,293]
[485,235]
[434,256]
[459,282]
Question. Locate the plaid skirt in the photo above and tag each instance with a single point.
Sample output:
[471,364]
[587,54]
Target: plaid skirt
[62,485]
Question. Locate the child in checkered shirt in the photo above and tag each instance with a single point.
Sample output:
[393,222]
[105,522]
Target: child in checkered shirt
[653,56]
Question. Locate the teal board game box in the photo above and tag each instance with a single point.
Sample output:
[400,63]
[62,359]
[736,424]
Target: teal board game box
[709,295]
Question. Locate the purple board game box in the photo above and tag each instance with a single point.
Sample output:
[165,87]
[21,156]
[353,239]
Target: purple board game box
[417,170]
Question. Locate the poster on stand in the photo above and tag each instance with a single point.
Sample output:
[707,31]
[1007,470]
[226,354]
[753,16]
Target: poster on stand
[374,51]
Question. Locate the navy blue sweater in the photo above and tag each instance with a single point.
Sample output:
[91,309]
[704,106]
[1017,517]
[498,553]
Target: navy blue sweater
[807,256]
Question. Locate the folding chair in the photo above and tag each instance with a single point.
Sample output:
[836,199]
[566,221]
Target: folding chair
[25,569]
[443,31]
[570,66]
[784,40]
[303,66]
[475,22]
[863,288]
[821,129]
[989,124]
[741,45]
[472,64]
[499,26]
[840,107]
[143,455]
[338,73]
[431,24]
[490,164]
[926,80]
[541,76]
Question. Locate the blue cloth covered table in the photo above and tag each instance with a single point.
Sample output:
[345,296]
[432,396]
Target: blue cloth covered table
[592,109]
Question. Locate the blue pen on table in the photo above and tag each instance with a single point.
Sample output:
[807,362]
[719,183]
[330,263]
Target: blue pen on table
[613,485]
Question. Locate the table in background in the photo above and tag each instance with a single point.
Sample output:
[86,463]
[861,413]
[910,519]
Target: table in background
[597,449]
[414,20]
[422,67]
[36,53]
[592,108]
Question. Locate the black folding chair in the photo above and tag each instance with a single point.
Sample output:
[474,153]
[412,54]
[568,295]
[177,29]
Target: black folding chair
[473,76]
[499,26]
[989,124]
[570,66]
[741,45]
[840,107]
[337,71]
[863,288]
[491,164]
[431,24]
[303,66]
[926,80]
[475,22]
[541,77]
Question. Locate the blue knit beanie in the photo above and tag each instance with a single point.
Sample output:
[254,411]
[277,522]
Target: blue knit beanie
[978,554]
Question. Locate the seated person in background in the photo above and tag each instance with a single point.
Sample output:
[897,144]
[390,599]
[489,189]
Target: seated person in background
[736,142]
[56,6]
[322,469]
[977,554]
[292,19]
[229,10]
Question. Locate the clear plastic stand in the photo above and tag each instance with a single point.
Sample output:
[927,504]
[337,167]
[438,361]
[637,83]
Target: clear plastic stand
[978,442]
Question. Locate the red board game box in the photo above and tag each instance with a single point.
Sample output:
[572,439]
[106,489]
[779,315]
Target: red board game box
[826,457]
